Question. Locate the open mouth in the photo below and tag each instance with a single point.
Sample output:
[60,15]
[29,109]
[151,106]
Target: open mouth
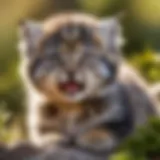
[71,87]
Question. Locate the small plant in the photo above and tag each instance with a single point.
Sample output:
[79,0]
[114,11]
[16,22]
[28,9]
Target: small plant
[143,145]
[8,132]
[148,63]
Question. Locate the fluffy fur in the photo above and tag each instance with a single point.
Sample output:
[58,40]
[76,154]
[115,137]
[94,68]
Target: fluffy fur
[73,61]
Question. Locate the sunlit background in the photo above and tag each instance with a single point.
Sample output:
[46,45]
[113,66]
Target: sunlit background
[141,29]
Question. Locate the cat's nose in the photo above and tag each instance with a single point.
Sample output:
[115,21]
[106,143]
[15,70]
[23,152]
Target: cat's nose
[71,75]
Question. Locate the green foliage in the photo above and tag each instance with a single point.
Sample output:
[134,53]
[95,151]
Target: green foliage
[143,144]
[148,63]
[146,140]
[122,156]
[4,133]
[9,133]
[103,7]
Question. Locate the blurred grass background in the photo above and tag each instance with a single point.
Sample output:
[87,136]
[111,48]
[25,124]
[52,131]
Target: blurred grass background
[141,29]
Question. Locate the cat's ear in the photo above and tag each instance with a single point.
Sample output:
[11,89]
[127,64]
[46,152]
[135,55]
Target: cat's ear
[110,32]
[30,34]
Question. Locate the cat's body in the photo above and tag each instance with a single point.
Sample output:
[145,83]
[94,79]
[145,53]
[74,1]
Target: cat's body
[72,64]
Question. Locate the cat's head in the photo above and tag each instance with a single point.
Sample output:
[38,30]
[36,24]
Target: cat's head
[71,57]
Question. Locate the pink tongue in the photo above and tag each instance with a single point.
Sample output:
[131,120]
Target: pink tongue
[72,87]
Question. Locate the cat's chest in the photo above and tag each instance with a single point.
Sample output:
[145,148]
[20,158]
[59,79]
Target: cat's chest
[57,117]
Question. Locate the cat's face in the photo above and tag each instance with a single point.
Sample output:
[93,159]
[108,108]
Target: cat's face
[70,64]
